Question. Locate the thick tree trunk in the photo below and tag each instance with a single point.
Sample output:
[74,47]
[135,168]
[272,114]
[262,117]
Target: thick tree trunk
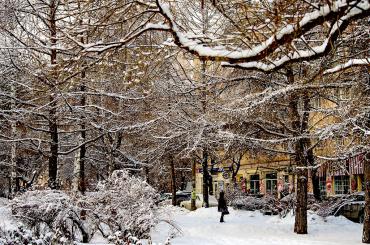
[366,228]
[173,181]
[193,207]
[300,225]
[299,125]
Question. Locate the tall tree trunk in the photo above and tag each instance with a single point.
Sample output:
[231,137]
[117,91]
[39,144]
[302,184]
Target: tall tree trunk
[193,180]
[205,178]
[82,180]
[82,154]
[111,162]
[53,126]
[76,172]
[366,228]
[13,156]
[53,158]
[299,125]
[173,181]
[316,185]
[146,171]
[300,225]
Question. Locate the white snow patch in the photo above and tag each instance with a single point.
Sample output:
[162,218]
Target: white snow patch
[246,227]
[7,222]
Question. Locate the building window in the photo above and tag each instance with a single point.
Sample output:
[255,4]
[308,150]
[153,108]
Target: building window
[322,185]
[341,184]
[255,184]
[271,183]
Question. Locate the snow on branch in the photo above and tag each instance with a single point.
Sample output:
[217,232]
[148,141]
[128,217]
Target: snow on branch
[348,64]
[340,12]
[101,47]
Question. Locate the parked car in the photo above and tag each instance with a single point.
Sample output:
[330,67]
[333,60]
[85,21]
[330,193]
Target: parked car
[166,198]
[352,207]
[199,202]
[182,196]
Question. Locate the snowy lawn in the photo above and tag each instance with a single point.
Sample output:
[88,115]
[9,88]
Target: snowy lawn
[246,227]
[242,227]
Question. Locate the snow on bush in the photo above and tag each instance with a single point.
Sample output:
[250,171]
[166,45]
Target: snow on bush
[252,203]
[124,203]
[333,204]
[289,202]
[50,211]
[22,236]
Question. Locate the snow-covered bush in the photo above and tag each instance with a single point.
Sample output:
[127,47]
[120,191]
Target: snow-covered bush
[50,211]
[124,203]
[333,204]
[251,203]
[289,201]
[22,236]
[234,194]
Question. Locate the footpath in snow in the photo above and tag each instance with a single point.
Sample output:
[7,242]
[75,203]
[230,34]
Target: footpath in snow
[245,227]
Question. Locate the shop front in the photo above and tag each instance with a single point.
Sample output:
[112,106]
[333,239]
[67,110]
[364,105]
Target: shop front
[339,178]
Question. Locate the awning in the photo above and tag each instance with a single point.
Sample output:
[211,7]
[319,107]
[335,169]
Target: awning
[338,168]
[321,171]
[352,165]
[356,164]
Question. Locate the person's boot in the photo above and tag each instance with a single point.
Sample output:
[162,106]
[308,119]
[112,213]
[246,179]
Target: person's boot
[222,219]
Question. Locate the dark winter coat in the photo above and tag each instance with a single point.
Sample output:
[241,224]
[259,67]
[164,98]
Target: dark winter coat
[222,206]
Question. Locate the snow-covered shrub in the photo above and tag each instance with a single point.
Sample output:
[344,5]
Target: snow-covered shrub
[251,203]
[22,236]
[288,202]
[50,211]
[333,204]
[124,203]
[234,194]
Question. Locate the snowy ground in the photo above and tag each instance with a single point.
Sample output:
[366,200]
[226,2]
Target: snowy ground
[242,227]
[245,227]
[6,220]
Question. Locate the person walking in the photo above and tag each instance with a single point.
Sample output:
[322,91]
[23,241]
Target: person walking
[222,206]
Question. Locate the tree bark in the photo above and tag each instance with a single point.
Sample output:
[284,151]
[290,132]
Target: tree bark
[316,185]
[111,162]
[193,207]
[205,179]
[53,158]
[13,156]
[299,125]
[173,181]
[300,225]
[366,228]
[76,172]
[82,155]
[53,126]
[82,180]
